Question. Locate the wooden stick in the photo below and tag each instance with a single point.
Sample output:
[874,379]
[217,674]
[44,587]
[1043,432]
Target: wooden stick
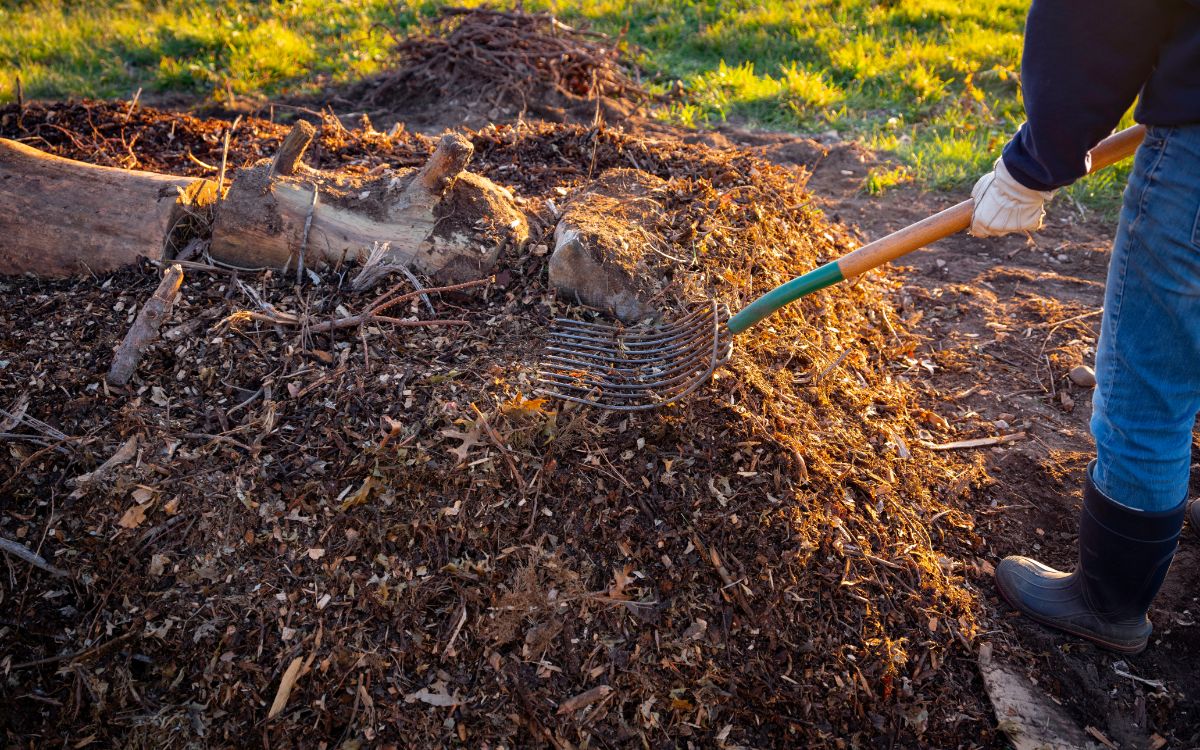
[87,653]
[291,151]
[31,557]
[448,161]
[145,327]
[976,443]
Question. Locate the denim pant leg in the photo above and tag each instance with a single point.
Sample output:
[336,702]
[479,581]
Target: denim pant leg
[1148,356]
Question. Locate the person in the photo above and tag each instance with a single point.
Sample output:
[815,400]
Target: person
[1084,63]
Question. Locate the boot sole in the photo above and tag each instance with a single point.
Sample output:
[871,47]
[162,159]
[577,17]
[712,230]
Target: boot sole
[1123,648]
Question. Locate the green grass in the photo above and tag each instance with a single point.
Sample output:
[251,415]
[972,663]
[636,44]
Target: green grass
[933,81]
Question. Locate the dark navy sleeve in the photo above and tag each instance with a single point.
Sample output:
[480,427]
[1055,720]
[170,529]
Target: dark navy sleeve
[1083,65]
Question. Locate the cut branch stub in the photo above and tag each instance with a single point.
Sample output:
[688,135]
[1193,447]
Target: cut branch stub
[448,161]
[291,151]
[439,220]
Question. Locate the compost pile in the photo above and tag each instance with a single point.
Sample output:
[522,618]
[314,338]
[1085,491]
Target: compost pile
[503,58]
[384,535]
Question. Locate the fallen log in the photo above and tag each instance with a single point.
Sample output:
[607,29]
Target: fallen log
[60,217]
[439,220]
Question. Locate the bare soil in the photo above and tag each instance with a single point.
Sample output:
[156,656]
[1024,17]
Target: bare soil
[1004,321]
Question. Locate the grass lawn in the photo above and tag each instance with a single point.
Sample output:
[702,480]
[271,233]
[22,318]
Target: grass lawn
[934,81]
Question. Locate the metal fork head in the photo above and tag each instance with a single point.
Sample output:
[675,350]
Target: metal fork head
[631,368]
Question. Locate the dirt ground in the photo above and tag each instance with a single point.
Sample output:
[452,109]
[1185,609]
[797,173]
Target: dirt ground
[1004,321]
[612,565]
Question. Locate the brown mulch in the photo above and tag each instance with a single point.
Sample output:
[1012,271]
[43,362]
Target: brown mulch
[447,558]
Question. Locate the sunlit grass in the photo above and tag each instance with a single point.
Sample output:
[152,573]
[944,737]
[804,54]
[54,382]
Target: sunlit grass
[933,81]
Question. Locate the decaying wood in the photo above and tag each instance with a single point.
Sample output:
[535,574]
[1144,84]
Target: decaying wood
[439,220]
[145,326]
[291,151]
[60,217]
[604,254]
[1024,712]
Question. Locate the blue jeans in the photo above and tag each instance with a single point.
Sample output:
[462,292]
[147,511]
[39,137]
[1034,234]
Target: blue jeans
[1148,357]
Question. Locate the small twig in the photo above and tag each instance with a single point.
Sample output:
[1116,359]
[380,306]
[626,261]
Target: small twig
[312,209]
[383,301]
[356,320]
[1118,667]
[831,367]
[202,164]
[412,277]
[145,327]
[512,465]
[86,654]
[21,416]
[133,104]
[976,443]
[31,557]
[26,438]
[194,265]
[20,99]
[244,404]
[225,156]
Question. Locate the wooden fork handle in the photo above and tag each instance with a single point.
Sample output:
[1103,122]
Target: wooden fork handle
[957,218]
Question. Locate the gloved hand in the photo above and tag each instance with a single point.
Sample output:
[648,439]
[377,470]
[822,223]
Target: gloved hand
[1003,205]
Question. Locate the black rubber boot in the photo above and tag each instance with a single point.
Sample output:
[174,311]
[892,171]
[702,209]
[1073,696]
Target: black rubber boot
[1123,558]
[1194,516]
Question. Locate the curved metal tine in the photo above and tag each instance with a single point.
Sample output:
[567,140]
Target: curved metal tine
[625,343]
[662,379]
[631,336]
[654,404]
[663,369]
[615,351]
[683,372]
[606,360]
[642,379]
[657,390]
[621,345]
[620,330]
[670,367]
[621,396]
[650,377]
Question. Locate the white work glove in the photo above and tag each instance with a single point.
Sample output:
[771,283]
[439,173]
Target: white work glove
[1003,205]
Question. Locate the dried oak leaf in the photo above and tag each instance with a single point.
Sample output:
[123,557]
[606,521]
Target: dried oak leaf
[468,440]
[134,517]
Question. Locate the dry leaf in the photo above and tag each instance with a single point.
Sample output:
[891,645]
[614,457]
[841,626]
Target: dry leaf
[158,563]
[316,553]
[286,683]
[134,516]
[621,579]
[143,495]
[359,496]
[123,454]
[469,440]
[434,695]
[521,406]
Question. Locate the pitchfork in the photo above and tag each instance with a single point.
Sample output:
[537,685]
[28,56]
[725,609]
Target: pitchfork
[644,367]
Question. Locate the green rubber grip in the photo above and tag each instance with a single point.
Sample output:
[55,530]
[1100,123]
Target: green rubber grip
[813,281]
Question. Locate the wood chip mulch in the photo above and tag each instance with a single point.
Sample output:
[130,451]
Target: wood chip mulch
[383,536]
